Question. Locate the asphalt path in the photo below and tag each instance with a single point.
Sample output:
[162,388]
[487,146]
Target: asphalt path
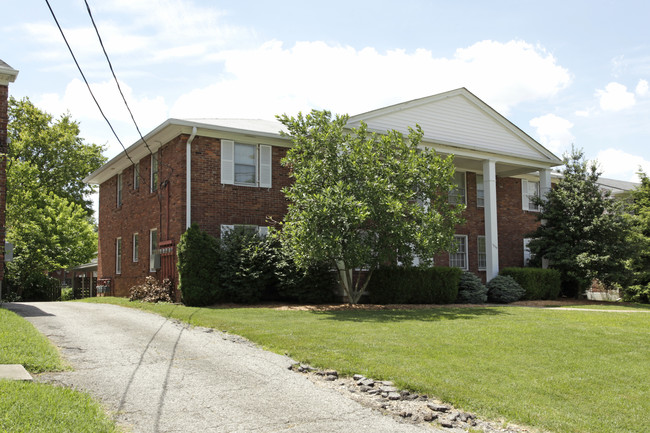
[157,375]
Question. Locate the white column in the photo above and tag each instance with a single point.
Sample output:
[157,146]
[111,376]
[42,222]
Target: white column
[491,230]
[544,187]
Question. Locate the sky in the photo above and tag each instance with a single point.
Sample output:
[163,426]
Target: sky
[568,73]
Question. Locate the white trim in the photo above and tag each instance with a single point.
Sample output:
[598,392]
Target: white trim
[227,162]
[152,250]
[118,256]
[135,245]
[482,189]
[458,251]
[491,223]
[526,203]
[527,254]
[188,179]
[136,175]
[225,229]
[478,252]
[452,194]
[265,165]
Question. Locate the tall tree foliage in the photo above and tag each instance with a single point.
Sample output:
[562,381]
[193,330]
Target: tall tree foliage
[640,210]
[361,199]
[585,232]
[63,159]
[49,213]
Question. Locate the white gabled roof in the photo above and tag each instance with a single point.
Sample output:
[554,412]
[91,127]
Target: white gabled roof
[458,119]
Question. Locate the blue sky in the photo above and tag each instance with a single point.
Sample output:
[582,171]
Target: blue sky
[565,72]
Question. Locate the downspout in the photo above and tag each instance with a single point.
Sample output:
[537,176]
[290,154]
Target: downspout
[188,180]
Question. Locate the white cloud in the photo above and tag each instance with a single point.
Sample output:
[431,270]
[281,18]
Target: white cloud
[642,88]
[615,97]
[148,112]
[618,164]
[272,79]
[554,132]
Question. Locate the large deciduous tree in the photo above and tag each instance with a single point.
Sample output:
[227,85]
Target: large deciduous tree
[362,199]
[63,159]
[49,213]
[584,231]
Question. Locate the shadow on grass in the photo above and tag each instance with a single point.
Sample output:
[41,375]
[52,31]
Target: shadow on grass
[422,315]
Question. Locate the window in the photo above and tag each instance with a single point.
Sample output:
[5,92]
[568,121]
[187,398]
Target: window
[529,189]
[527,254]
[154,257]
[480,191]
[457,195]
[482,253]
[458,259]
[118,255]
[245,164]
[136,175]
[119,190]
[154,172]
[135,246]
[260,230]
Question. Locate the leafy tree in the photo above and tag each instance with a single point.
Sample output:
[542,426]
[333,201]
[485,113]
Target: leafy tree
[63,158]
[362,199]
[640,215]
[585,233]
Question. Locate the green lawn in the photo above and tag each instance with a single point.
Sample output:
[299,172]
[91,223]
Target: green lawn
[559,370]
[34,407]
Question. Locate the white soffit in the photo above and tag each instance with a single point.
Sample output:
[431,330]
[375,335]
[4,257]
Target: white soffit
[458,118]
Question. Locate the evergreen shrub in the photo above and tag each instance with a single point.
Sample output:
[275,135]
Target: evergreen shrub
[503,289]
[198,273]
[471,289]
[400,285]
[537,282]
[636,293]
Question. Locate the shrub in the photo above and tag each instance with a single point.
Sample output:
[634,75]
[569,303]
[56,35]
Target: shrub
[471,290]
[538,283]
[314,285]
[503,289]
[398,285]
[637,293]
[152,291]
[26,285]
[67,294]
[198,273]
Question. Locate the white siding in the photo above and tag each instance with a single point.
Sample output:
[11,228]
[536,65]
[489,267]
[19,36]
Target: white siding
[456,120]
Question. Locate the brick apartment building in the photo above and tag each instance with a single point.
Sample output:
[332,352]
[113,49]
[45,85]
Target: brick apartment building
[220,173]
[7,75]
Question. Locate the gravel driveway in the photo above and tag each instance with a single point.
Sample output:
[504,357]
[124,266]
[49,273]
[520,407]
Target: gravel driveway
[157,375]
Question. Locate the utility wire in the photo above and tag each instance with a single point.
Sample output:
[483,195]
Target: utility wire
[86,81]
[110,65]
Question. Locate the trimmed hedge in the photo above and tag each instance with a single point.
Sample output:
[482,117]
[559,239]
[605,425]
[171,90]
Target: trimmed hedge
[397,285]
[537,282]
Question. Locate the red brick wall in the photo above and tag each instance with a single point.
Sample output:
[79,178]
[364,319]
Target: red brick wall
[513,224]
[141,211]
[4,120]
[214,204]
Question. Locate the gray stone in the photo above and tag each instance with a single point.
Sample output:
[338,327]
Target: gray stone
[428,417]
[446,423]
[385,388]
[438,407]
[387,382]
[331,373]
[394,396]
[358,377]
[330,378]
[364,388]
[373,391]
[366,382]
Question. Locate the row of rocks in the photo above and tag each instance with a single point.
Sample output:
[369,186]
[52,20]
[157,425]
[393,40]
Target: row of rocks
[403,404]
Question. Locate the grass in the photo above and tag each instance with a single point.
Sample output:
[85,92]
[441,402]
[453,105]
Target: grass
[612,306]
[559,370]
[35,407]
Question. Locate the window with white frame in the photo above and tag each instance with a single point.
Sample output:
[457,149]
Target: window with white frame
[136,175]
[119,190]
[154,256]
[118,255]
[480,191]
[154,171]
[245,164]
[482,253]
[458,194]
[529,189]
[458,258]
[136,243]
[527,254]
[249,228]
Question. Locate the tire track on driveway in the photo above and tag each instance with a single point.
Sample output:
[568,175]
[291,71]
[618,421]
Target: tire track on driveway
[157,375]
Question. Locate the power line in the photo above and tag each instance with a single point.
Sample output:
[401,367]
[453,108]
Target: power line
[110,65]
[86,81]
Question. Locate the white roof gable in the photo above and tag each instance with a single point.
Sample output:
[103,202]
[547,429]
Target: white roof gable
[458,118]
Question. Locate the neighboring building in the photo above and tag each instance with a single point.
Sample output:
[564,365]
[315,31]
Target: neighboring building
[7,75]
[222,173]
